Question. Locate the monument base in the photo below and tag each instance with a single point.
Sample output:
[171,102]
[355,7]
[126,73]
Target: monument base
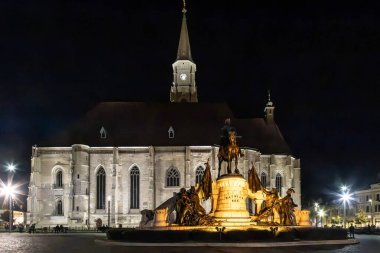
[229,196]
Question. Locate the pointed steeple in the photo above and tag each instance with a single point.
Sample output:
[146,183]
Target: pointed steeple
[183,88]
[269,109]
[184,52]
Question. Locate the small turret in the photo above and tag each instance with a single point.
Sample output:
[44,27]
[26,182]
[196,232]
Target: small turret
[269,110]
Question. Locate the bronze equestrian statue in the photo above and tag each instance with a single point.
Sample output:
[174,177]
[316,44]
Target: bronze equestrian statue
[228,149]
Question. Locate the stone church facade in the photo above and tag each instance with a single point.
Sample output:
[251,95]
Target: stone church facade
[124,157]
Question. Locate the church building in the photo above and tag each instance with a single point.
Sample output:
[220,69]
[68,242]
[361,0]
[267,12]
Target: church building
[124,157]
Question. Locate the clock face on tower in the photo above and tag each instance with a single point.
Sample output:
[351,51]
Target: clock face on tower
[183,77]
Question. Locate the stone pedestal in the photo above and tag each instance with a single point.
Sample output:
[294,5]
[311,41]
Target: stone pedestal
[303,217]
[229,196]
[160,217]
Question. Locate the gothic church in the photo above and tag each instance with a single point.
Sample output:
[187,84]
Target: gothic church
[123,157]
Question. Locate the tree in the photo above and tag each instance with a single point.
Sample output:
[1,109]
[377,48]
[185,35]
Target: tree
[361,217]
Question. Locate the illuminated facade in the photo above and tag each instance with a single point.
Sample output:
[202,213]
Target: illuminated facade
[133,156]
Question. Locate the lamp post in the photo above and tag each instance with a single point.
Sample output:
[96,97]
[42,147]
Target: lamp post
[109,211]
[316,207]
[9,191]
[321,214]
[345,197]
[370,201]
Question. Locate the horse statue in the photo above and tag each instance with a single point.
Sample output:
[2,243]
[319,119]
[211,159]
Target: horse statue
[229,152]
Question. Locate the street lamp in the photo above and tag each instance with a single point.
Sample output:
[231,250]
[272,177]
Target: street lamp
[345,197]
[316,207]
[321,214]
[11,167]
[109,211]
[8,190]
[370,201]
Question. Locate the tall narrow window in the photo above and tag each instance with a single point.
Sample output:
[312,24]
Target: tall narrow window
[199,172]
[279,183]
[135,188]
[58,181]
[171,132]
[172,177]
[59,207]
[263,179]
[101,189]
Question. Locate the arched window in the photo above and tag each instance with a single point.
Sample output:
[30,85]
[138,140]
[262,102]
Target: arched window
[172,177]
[135,188]
[101,189]
[199,172]
[279,183]
[263,179]
[58,179]
[59,209]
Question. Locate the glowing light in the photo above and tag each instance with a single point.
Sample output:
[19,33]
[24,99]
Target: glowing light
[321,213]
[11,167]
[344,188]
[8,190]
[346,197]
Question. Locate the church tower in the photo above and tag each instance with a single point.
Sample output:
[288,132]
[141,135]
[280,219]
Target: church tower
[183,88]
[269,110]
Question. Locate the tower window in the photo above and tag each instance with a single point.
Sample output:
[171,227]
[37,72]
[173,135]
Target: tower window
[135,188]
[279,183]
[172,177]
[171,132]
[58,180]
[263,179]
[103,133]
[199,172]
[101,189]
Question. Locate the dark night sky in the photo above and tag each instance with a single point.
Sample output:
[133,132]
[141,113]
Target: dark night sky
[60,58]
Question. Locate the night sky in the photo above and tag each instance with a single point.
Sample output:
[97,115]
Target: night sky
[58,59]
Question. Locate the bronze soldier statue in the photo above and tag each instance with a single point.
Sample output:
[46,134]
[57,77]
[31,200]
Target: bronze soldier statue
[287,209]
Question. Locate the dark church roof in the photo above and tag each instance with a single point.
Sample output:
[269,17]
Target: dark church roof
[147,124]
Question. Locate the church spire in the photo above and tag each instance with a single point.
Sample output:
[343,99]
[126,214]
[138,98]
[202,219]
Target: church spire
[183,88]
[269,109]
[184,52]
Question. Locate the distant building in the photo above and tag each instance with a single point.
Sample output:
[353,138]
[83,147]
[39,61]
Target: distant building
[368,201]
[132,156]
[362,210]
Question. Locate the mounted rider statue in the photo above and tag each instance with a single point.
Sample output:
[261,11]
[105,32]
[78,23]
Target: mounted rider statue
[228,147]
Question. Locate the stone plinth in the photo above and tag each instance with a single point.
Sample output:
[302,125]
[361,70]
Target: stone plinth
[303,217]
[160,218]
[230,193]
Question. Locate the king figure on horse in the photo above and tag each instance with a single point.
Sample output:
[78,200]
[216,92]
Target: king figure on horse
[228,147]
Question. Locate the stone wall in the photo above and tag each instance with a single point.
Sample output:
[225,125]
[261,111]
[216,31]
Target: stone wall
[80,163]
